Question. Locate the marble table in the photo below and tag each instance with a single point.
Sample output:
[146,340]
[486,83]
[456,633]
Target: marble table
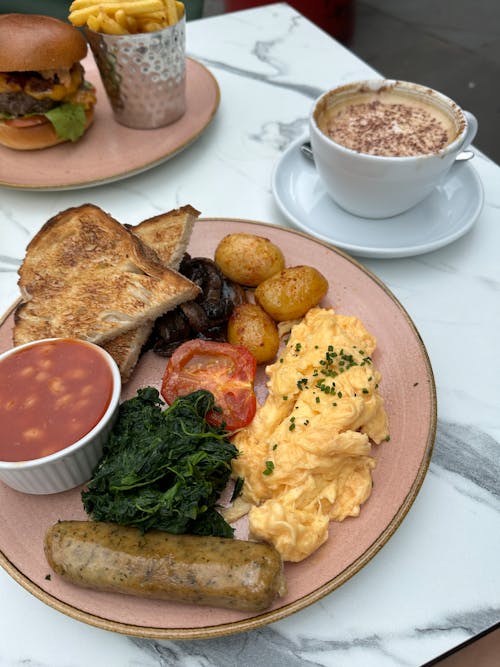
[436,583]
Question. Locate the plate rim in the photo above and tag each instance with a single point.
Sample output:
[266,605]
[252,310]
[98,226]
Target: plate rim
[124,174]
[265,618]
[369,251]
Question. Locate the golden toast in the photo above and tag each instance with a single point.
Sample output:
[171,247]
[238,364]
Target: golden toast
[168,235]
[85,275]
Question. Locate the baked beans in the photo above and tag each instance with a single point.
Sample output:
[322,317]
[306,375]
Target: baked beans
[51,394]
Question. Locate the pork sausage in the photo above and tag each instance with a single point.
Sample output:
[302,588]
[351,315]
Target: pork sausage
[214,571]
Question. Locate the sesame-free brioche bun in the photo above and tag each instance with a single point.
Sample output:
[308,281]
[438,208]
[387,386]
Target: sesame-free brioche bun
[35,136]
[34,42]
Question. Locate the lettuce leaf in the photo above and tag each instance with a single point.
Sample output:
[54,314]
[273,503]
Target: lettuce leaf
[68,120]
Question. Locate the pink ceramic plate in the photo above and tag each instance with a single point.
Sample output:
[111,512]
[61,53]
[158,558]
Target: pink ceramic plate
[409,392]
[109,151]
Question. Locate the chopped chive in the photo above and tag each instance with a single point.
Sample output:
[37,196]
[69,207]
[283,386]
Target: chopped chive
[269,468]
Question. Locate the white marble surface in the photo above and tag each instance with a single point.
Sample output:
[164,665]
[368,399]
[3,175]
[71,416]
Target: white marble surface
[437,582]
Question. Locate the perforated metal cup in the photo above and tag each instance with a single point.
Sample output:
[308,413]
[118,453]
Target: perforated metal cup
[144,74]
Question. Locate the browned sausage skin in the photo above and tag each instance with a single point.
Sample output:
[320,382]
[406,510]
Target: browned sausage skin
[218,572]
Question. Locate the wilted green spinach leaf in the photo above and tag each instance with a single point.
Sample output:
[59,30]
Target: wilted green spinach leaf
[163,469]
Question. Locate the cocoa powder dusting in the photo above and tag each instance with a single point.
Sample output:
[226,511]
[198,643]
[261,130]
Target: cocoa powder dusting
[390,129]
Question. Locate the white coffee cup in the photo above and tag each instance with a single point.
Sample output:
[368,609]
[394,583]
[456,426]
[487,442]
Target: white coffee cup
[380,186]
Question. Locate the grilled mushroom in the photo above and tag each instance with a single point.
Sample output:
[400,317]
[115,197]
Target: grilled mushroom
[206,316]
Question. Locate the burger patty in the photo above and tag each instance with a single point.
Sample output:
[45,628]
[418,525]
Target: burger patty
[30,92]
[21,104]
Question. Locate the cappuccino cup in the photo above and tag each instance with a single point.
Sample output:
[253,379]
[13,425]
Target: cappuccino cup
[381,146]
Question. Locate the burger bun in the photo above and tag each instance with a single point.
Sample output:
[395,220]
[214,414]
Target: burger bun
[30,42]
[34,136]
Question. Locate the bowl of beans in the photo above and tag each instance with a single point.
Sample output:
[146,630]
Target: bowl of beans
[59,398]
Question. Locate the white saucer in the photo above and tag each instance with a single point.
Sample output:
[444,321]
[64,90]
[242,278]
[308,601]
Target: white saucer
[444,216]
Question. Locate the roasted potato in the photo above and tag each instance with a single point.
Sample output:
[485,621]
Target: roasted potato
[290,293]
[253,328]
[248,259]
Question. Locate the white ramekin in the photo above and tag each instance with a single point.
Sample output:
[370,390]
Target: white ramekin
[74,464]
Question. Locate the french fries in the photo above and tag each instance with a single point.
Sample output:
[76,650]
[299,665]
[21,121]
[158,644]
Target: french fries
[125,17]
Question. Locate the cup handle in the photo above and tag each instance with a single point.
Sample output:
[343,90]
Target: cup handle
[471,130]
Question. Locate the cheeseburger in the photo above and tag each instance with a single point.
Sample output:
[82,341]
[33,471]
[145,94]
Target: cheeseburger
[44,99]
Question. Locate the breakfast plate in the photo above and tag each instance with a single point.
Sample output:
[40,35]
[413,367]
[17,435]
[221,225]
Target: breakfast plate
[408,390]
[109,151]
[444,216]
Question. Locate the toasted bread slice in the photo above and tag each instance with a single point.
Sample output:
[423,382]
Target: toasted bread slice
[168,235]
[86,276]
[127,347]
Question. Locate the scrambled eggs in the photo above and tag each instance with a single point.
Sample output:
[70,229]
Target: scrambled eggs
[305,458]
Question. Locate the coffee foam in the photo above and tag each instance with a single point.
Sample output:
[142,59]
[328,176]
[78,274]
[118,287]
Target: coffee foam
[389,121]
